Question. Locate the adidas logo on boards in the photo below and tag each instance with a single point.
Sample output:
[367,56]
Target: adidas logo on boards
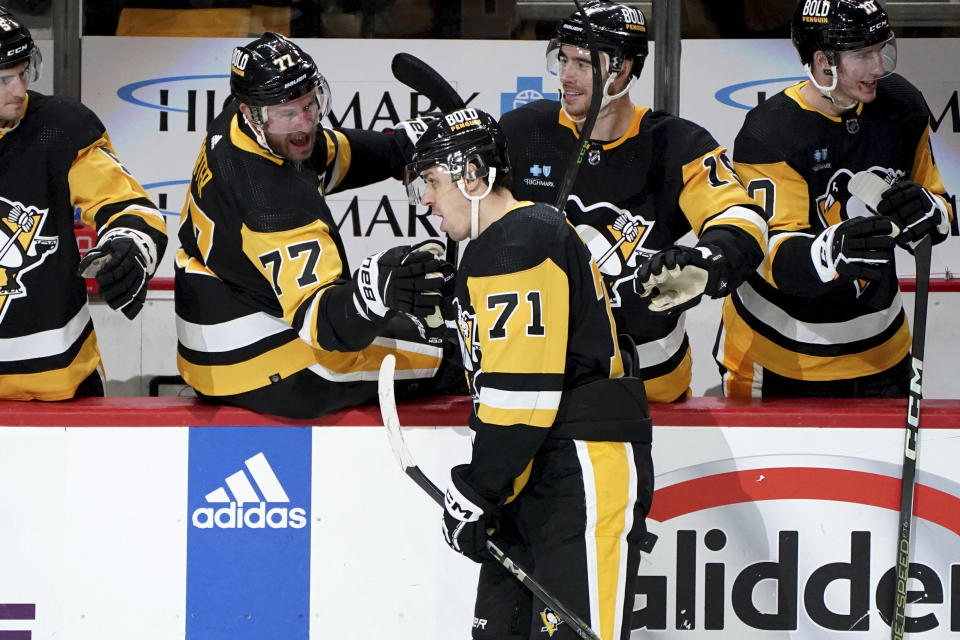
[236,515]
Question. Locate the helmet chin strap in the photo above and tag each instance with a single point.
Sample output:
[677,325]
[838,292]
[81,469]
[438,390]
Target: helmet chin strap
[827,92]
[259,133]
[605,100]
[475,201]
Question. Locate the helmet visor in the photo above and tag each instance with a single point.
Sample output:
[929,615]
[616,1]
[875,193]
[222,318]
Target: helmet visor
[879,59]
[30,73]
[300,115]
[420,175]
[573,56]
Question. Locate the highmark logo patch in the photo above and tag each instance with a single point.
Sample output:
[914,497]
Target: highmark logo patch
[243,506]
[248,533]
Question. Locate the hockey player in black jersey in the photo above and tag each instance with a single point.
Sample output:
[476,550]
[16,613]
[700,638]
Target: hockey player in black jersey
[561,466]
[823,317]
[648,178]
[268,316]
[55,157]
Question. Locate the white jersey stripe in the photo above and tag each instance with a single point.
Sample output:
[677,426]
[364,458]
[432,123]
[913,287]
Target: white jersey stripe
[627,527]
[42,344]
[590,534]
[817,333]
[532,400]
[655,352]
[738,212]
[227,336]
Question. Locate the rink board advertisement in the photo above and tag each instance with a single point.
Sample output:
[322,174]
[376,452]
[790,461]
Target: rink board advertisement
[157,109]
[217,533]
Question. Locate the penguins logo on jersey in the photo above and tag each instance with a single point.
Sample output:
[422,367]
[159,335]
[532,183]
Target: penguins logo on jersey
[469,338]
[837,204]
[615,238]
[550,622]
[21,249]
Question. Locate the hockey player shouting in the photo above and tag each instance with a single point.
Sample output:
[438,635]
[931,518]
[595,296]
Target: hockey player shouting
[648,178]
[267,315]
[56,156]
[824,317]
[561,464]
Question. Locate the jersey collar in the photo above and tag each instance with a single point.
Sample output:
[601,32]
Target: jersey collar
[794,94]
[632,130]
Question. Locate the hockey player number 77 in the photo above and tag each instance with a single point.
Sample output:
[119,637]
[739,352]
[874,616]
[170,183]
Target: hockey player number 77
[388,411]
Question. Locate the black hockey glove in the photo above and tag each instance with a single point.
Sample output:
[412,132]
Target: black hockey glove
[859,248]
[465,517]
[406,133]
[122,263]
[676,278]
[403,279]
[916,211]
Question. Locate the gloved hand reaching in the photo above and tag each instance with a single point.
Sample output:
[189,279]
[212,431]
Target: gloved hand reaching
[465,517]
[407,132]
[122,263]
[677,277]
[859,248]
[404,279]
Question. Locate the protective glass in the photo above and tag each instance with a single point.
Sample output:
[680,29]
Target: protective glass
[299,115]
[879,59]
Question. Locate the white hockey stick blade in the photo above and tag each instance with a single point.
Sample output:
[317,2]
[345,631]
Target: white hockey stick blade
[388,411]
[869,187]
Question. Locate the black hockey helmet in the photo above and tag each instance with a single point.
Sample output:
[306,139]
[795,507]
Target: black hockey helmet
[17,45]
[837,25]
[620,32]
[454,141]
[272,70]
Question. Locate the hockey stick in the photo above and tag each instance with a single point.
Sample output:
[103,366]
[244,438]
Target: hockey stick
[908,476]
[388,411]
[421,77]
[868,187]
[595,99]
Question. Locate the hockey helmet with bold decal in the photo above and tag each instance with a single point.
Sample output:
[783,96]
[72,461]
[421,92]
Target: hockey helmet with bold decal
[455,141]
[17,45]
[833,26]
[272,70]
[620,32]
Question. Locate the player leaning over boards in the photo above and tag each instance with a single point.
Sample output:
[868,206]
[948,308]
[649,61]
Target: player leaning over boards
[823,317]
[268,317]
[561,456]
[648,178]
[56,156]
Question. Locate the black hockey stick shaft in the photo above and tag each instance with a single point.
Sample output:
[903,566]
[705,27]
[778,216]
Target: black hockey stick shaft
[388,412]
[424,79]
[910,441]
[573,167]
